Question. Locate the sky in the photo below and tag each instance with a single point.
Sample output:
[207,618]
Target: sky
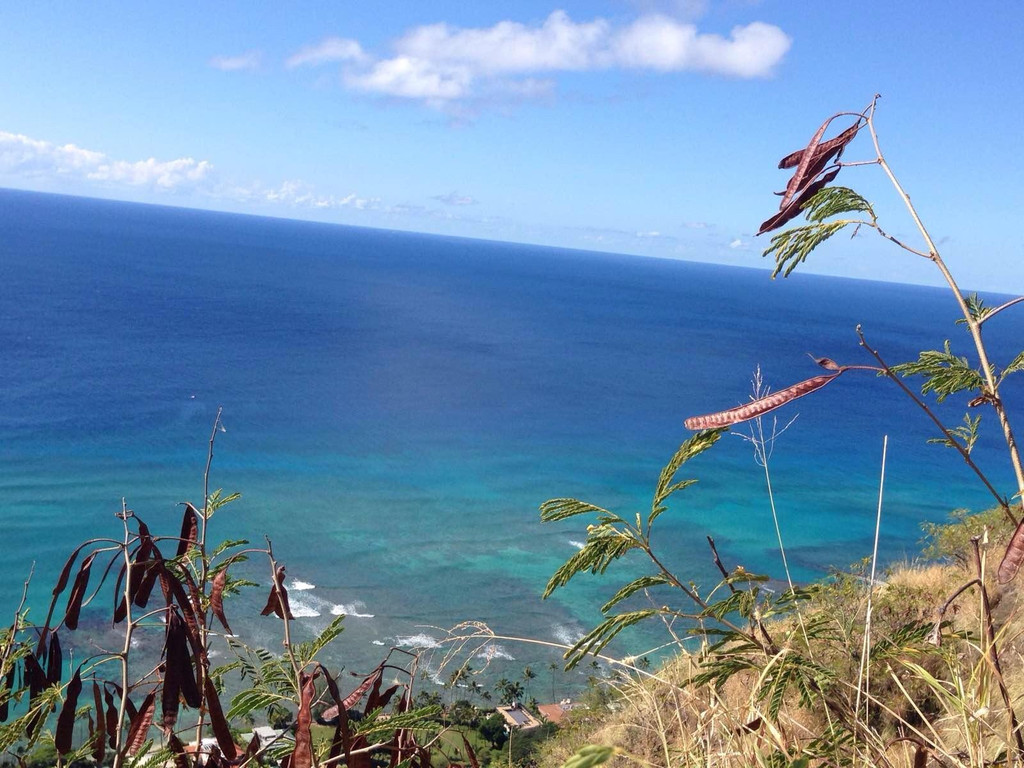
[651,127]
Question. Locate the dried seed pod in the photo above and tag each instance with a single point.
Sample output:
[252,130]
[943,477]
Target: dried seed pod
[302,755]
[189,529]
[217,598]
[792,210]
[66,719]
[801,175]
[99,744]
[277,600]
[77,595]
[761,406]
[138,727]
[837,144]
[54,660]
[1013,557]
[221,730]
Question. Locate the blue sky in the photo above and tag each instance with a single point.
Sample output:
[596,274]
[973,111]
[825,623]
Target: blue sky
[636,126]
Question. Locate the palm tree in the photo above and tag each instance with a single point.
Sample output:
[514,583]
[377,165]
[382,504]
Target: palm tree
[528,675]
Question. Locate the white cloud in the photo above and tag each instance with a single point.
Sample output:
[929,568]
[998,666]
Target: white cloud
[327,50]
[557,44]
[440,64]
[737,243]
[661,43]
[297,194]
[247,61]
[21,155]
[413,79]
[454,198]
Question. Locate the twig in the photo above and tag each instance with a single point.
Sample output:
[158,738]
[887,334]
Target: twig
[999,309]
[721,568]
[992,654]
[891,374]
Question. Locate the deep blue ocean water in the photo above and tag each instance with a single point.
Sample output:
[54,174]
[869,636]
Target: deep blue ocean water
[397,406]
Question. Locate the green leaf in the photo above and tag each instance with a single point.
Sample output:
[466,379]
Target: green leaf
[945,373]
[691,447]
[307,652]
[975,308]
[632,588]
[792,247]
[1015,366]
[247,702]
[595,640]
[560,509]
[590,756]
[424,718]
[741,602]
[605,544]
[832,201]
[230,544]
[966,432]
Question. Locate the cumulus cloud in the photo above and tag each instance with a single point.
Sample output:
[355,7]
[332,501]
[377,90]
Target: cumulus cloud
[661,43]
[328,50]
[32,158]
[440,64]
[247,61]
[454,198]
[297,194]
[22,155]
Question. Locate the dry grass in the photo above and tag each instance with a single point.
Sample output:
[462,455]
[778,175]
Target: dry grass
[940,705]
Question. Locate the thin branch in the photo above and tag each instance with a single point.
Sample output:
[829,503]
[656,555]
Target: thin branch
[718,562]
[992,653]
[999,309]
[973,325]
[891,374]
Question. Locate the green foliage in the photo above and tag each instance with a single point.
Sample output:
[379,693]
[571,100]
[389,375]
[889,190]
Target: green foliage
[833,201]
[612,537]
[637,585]
[951,541]
[791,247]
[966,434]
[595,640]
[975,308]
[590,756]
[1014,366]
[944,373]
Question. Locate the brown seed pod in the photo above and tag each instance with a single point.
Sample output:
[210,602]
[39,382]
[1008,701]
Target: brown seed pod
[66,718]
[217,598]
[1013,557]
[138,728]
[836,144]
[761,406]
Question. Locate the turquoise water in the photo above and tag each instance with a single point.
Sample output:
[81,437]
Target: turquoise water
[396,407]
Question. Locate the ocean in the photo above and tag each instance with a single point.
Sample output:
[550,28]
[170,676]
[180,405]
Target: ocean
[396,406]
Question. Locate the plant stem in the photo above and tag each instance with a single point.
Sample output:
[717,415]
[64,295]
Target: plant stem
[126,648]
[964,453]
[973,324]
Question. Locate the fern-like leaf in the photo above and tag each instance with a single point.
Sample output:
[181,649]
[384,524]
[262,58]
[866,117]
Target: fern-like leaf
[604,544]
[966,434]
[1015,366]
[833,201]
[644,582]
[792,247]
[691,447]
[944,373]
[595,640]
[560,509]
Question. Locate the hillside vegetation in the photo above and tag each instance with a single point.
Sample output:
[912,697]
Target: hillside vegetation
[929,689]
